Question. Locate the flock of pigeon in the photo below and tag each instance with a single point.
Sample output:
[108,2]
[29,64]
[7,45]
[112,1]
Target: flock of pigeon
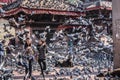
[91,54]
[90,47]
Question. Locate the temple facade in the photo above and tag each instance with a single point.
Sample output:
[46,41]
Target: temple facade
[36,15]
[100,11]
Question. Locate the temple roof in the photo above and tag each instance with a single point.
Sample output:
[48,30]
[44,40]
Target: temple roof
[56,7]
[33,11]
[98,5]
[66,5]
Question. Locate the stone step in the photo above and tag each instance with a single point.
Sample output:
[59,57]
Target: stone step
[40,77]
[36,76]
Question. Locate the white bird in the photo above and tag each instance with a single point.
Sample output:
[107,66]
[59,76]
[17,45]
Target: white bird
[2,11]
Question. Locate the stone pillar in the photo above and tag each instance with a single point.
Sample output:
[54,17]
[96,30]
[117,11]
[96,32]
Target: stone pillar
[116,32]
